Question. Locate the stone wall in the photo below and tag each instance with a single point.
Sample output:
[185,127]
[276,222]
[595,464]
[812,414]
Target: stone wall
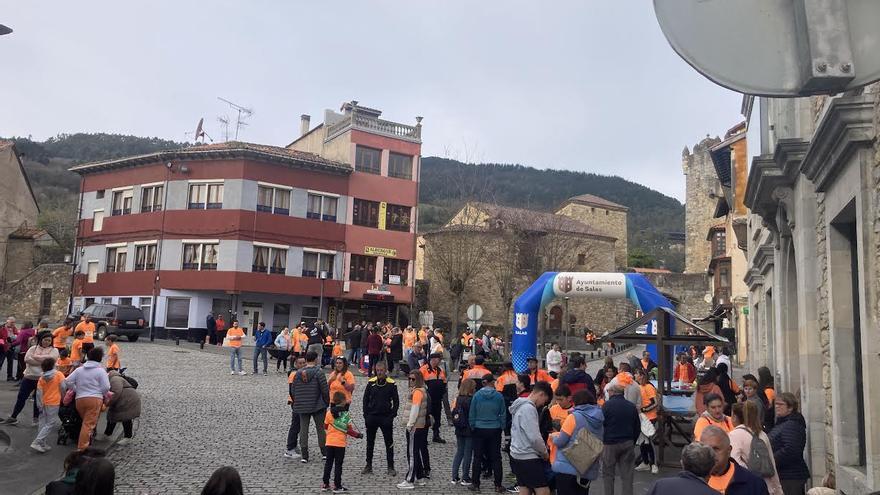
[22,299]
[701,195]
[689,289]
[20,253]
[605,220]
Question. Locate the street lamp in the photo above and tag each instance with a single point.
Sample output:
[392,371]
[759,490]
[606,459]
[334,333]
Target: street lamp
[4,30]
[323,276]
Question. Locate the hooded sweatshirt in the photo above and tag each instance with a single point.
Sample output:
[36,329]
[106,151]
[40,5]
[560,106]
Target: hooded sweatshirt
[583,416]
[525,437]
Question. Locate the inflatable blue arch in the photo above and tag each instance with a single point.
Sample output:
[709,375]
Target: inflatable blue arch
[550,285]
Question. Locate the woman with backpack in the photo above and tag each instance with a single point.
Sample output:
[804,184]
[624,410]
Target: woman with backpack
[584,414]
[464,444]
[747,429]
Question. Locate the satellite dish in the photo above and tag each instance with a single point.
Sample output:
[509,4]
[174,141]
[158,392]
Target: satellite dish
[778,48]
[200,131]
[4,30]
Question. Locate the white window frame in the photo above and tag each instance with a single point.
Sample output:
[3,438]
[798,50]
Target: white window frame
[323,197]
[98,220]
[207,184]
[272,208]
[146,245]
[158,202]
[119,249]
[272,250]
[126,193]
[92,275]
[200,253]
[321,253]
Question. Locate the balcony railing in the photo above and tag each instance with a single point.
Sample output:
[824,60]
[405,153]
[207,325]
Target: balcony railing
[378,126]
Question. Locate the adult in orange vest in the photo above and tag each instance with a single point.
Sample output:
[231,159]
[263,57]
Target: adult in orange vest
[536,374]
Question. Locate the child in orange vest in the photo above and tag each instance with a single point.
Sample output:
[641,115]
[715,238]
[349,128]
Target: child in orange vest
[112,353]
[50,389]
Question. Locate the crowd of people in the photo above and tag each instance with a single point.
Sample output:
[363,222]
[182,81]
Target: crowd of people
[71,383]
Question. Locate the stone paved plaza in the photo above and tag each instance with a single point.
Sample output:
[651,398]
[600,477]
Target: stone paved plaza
[197,417]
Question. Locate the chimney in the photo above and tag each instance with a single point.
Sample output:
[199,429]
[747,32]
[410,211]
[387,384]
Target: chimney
[304,124]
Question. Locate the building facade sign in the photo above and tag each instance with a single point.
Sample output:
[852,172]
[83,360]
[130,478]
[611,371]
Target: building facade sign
[378,251]
[592,284]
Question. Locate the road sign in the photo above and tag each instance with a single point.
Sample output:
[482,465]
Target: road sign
[782,48]
[474,325]
[474,312]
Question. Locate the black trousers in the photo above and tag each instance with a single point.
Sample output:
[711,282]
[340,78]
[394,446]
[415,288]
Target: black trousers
[282,358]
[10,358]
[293,432]
[567,484]
[647,450]
[416,454]
[435,410]
[127,428]
[374,358]
[486,440]
[335,457]
[374,424]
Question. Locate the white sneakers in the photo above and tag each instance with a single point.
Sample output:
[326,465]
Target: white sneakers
[654,469]
[643,467]
[291,454]
[40,447]
[242,372]
[232,372]
[405,485]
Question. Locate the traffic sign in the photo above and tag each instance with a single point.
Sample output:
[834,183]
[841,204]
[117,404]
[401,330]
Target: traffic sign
[474,312]
[782,48]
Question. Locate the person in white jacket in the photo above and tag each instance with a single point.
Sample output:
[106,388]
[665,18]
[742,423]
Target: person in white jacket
[528,451]
[554,361]
[746,422]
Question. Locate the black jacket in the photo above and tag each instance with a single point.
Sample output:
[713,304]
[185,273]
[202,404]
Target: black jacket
[317,335]
[577,380]
[744,482]
[622,422]
[309,390]
[353,337]
[381,399]
[684,483]
[788,439]
[365,334]
[396,347]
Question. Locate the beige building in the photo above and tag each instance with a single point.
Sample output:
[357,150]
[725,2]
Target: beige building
[18,207]
[814,273]
[603,215]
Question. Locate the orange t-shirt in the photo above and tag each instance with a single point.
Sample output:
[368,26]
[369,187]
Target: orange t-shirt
[409,338]
[720,483]
[113,356]
[648,393]
[59,337]
[235,332]
[540,375]
[337,386]
[335,438]
[558,415]
[726,424]
[506,378]
[76,350]
[89,329]
[63,365]
[51,389]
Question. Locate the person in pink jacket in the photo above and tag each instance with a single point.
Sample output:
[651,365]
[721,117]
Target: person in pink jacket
[747,422]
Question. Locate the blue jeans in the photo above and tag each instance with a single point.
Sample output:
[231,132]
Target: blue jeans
[463,452]
[235,352]
[261,351]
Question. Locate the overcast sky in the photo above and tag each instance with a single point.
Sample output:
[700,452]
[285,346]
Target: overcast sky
[580,85]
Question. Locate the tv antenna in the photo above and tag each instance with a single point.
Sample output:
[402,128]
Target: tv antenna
[243,113]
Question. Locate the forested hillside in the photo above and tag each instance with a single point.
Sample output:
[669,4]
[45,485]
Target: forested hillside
[445,184]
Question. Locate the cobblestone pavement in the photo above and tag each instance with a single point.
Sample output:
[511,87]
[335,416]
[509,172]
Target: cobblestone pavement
[197,417]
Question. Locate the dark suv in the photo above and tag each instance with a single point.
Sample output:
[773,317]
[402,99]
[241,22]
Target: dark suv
[127,321]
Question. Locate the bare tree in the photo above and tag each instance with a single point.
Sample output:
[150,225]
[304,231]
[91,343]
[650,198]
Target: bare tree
[561,240]
[503,266]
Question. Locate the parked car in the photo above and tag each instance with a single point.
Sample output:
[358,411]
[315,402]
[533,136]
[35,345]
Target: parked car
[118,319]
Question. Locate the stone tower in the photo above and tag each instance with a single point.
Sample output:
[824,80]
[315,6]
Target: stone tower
[701,195]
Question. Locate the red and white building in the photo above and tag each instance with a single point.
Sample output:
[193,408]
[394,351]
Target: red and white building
[324,228]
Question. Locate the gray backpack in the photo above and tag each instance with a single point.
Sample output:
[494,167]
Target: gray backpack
[760,460]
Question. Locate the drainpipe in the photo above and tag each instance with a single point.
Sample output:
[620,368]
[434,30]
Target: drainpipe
[76,246]
[159,246]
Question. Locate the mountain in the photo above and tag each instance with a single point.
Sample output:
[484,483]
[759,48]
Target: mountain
[651,214]
[444,184]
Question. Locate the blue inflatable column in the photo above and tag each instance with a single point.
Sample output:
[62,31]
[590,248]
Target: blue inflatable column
[525,321]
